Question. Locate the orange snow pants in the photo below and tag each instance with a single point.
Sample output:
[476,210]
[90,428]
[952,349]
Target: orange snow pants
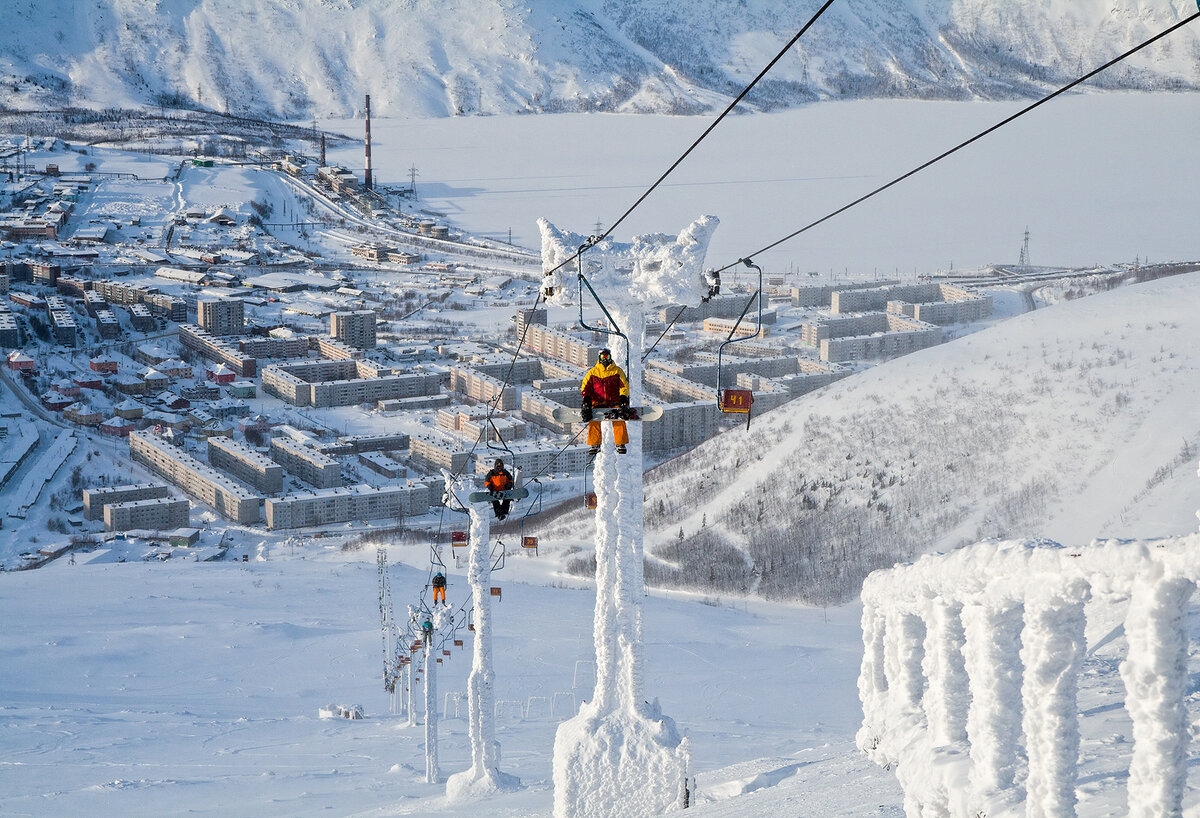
[620,433]
[439,594]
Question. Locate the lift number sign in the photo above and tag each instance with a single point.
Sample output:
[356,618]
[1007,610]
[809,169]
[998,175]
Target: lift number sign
[736,400]
[458,536]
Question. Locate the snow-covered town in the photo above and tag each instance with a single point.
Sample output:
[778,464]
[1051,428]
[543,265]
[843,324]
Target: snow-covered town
[386,433]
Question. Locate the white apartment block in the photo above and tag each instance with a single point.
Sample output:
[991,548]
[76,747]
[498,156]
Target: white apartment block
[483,388]
[221,316]
[161,514]
[344,383]
[873,335]
[308,464]
[822,295]
[942,301]
[437,454]
[335,350]
[745,329]
[536,459]
[538,407]
[214,348]
[682,425]
[347,503]
[94,500]
[246,464]
[355,328]
[201,481]
[555,343]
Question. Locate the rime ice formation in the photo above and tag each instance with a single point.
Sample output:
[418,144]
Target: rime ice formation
[619,756]
[1016,613]
[484,775]
[440,617]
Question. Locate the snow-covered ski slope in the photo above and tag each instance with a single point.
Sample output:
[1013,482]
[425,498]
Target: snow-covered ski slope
[1073,422]
[303,58]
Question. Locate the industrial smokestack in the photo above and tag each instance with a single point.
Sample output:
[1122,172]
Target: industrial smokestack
[323,149]
[367,174]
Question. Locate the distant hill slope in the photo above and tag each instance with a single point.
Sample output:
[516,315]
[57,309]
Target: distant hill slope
[1071,422]
[303,58]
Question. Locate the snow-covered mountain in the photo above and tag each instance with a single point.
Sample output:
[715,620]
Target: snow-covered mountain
[305,58]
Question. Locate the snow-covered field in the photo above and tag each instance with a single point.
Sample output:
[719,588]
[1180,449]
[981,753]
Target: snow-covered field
[181,687]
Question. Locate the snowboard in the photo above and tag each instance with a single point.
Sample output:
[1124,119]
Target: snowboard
[637,413]
[493,496]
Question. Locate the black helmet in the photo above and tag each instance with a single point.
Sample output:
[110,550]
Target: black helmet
[605,353]
[499,463]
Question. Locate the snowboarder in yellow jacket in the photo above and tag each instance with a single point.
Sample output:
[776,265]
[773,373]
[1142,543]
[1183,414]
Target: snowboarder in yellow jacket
[604,387]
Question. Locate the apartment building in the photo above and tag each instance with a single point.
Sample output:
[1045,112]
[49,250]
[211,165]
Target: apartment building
[246,464]
[94,500]
[354,328]
[946,303]
[214,349]
[555,343]
[476,386]
[344,383]
[340,505]
[201,481]
[870,335]
[435,454]
[160,514]
[306,463]
[221,316]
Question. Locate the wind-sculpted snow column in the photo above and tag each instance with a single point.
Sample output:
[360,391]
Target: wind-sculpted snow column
[484,776]
[1022,606]
[992,658]
[949,697]
[1052,650]
[1156,682]
[620,756]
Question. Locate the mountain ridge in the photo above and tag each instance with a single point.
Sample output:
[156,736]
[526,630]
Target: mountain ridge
[297,59]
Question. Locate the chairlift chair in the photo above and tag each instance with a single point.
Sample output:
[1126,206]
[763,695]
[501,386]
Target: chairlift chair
[739,401]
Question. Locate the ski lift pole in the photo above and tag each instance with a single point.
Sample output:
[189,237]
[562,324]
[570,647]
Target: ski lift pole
[612,321]
[731,340]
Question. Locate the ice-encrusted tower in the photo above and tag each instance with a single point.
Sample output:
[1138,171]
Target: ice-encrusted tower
[620,756]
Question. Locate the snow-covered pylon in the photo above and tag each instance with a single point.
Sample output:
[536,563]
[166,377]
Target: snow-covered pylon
[484,776]
[620,756]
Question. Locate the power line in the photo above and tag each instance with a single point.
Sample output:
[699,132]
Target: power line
[975,138]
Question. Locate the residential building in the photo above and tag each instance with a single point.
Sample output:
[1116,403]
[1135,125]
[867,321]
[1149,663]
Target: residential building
[163,514]
[94,500]
[245,463]
[201,481]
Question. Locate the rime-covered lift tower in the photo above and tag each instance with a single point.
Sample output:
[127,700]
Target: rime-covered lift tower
[484,776]
[619,756]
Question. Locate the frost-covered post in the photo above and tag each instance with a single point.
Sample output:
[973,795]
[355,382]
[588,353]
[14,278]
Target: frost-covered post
[992,656]
[949,696]
[439,616]
[410,694]
[1155,673]
[872,682]
[1052,651]
[619,756]
[484,775]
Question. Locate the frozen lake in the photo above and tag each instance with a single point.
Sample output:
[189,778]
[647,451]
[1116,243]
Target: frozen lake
[1095,179]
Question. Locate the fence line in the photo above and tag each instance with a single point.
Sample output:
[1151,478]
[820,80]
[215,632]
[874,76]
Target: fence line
[970,674]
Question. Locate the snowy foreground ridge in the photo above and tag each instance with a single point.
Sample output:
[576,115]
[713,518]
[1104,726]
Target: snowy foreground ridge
[971,672]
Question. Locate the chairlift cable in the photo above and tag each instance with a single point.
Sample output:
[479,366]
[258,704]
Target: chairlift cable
[664,332]
[729,108]
[975,138]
